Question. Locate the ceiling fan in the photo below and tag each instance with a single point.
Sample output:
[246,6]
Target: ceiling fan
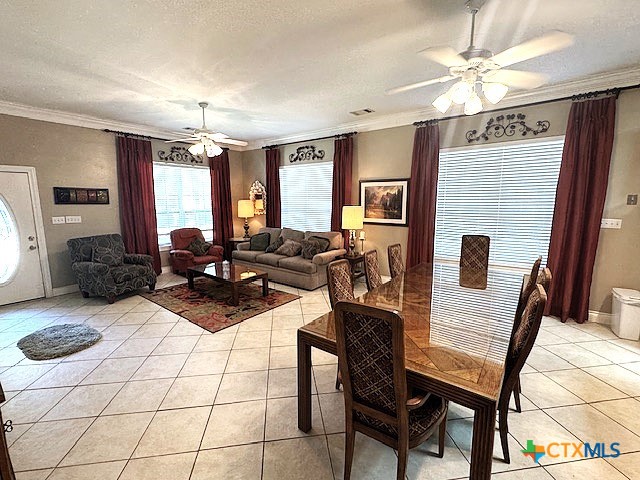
[479,67]
[207,140]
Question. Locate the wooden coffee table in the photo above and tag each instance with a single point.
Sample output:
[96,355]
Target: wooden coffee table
[229,274]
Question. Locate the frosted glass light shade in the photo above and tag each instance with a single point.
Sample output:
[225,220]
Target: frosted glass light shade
[473,105]
[245,208]
[352,217]
[442,103]
[494,92]
[196,149]
[460,92]
[213,150]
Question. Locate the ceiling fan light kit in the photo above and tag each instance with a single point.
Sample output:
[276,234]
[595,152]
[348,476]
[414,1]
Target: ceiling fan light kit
[205,140]
[480,71]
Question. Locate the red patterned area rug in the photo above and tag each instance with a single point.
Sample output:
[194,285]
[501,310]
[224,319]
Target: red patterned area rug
[208,304]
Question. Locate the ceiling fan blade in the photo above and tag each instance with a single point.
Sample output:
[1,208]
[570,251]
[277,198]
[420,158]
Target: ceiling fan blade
[413,86]
[516,78]
[189,139]
[218,136]
[230,141]
[547,43]
[446,56]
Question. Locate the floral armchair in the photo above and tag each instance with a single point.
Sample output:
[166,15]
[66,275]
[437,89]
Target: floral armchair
[181,258]
[103,268]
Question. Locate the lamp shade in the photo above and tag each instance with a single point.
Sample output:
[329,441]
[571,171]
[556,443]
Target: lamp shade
[245,208]
[352,217]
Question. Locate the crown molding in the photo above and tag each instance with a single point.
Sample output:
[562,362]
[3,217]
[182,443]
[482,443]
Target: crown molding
[618,78]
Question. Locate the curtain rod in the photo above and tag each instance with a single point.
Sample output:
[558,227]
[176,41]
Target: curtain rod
[580,96]
[349,134]
[127,134]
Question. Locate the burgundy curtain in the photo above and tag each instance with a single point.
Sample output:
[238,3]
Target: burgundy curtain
[221,199]
[273,187]
[582,187]
[423,186]
[341,193]
[137,201]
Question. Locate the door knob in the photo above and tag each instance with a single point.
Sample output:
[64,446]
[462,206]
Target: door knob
[32,247]
[31,238]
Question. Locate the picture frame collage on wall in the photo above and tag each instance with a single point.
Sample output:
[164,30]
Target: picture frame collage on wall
[80,196]
[385,201]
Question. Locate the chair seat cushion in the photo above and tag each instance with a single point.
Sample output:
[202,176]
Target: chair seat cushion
[204,259]
[420,420]
[270,259]
[246,255]
[126,273]
[298,264]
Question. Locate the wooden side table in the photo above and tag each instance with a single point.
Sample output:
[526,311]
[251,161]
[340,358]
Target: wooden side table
[355,261]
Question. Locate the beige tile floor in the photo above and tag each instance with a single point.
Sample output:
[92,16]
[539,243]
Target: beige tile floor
[159,398]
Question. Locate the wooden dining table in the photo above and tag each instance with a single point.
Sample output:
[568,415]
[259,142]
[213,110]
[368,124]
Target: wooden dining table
[456,341]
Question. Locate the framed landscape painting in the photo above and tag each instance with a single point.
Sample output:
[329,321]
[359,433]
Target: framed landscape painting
[385,201]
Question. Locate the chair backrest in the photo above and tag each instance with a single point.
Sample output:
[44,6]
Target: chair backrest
[526,290]
[545,278]
[370,344]
[182,237]
[396,265]
[372,269]
[474,261]
[339,282]
[523,337]
[81,249]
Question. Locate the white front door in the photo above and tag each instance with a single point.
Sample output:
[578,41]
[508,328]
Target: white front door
[20,269]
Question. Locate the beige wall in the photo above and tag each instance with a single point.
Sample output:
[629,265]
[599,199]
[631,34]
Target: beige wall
[618,259]
[387,154]
[64,156]
[253,162]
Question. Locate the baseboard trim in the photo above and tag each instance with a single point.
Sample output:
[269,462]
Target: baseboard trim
[56,292]
[600,317]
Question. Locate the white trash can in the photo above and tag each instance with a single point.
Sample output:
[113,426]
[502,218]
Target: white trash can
[625,322]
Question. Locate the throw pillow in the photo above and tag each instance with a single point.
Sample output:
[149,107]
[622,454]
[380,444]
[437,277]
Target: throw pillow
[311,247]
[275,245]
[259,242]
[324,242]
[199,247]
[290,248]
[108,256]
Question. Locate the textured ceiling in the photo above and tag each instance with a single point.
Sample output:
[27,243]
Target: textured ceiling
[276,68]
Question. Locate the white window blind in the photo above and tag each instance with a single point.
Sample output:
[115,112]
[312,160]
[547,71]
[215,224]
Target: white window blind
[506,192]
[305,196]
[183,199]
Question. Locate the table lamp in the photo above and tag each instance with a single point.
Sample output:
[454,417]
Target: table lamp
[245,210]
[352,220]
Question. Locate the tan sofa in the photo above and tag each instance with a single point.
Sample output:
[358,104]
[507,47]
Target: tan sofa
[295,271]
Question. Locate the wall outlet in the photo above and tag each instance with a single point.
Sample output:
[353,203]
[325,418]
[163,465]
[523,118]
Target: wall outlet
[58,220]
[611,223]
[632,199]
[73,219]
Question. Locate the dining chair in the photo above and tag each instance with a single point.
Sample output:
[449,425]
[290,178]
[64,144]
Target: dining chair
[370,346]
[372,269]
[474,261]
[525,291]
[340,286]
[520,346]
[545,278]
[396,265]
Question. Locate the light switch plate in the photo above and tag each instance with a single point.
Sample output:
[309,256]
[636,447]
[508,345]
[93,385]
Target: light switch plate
[73,219]
[611,223]
[58,220]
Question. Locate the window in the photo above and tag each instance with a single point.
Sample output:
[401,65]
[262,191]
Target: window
[506,192]
[305,196]
[183,199]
